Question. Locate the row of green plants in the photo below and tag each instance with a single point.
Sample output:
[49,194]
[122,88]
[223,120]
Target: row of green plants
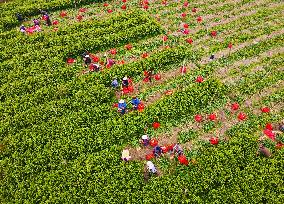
[275,97]
[158,61]
[109,119]
[190,57]
[31,8]
[258,65]
[66,25]
[252,83]
[212,66]
[95,29]
[96,39]
[68,146]
[263,45]
[237,90]
[215,46]
[86,179]
[64,136]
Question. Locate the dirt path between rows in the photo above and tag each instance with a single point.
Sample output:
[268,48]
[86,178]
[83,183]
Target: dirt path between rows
[174,73]
[245,62]
[236,9]
[223,73]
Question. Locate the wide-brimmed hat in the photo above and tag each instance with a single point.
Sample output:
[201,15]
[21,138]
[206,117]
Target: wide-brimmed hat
[125,78]
[121,101]
[144,137]
[87,56]
[149,163]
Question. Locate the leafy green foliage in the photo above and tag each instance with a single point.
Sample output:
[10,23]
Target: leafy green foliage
[61,140]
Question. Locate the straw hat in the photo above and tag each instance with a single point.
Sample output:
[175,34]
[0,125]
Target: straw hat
[150,164]
[121,101]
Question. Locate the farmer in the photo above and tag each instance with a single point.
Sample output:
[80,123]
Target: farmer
[171,148]
[94,67]
[110,62]
[281,126]
[151,168]
[157,151]
[264,151]
[125,155]
[122,106]
[149,74]
[87,60]
[212,56]
[36,22]
[37,28]
[114,83]
[23,29]
[145,140]
[47,19]
[125,82]
[84,54]
[178,150]
[19,17]
[135,102]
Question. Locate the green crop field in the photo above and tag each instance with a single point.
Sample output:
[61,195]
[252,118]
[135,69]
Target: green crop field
[217,89]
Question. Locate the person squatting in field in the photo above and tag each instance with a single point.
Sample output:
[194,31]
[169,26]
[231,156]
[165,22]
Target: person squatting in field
[19,17]
[125,155]
[122,107]
[263,150]
[36,22]
[114,83]
[46,17]
[23,29]
[157,151]
[125,82]
[94,67]
[87,60]
[149,75]
[145,140]
[178,149]
[135,102]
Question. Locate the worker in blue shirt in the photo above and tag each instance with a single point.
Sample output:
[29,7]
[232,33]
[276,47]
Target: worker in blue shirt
[114,83]
[135,102]
[122,106]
